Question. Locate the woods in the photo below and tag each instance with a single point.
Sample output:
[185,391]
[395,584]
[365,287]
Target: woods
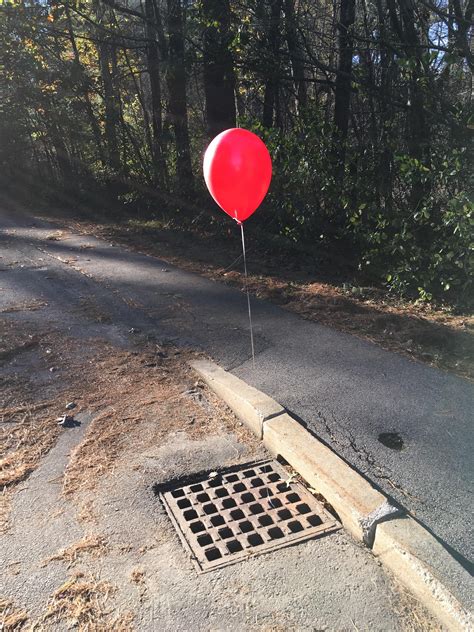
[366,107]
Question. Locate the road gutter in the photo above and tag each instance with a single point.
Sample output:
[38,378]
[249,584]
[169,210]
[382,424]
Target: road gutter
[411,553]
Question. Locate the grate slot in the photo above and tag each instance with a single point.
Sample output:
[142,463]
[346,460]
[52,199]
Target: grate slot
[217,521]
[295,526]
[204,540]
[237,514]
[243,511]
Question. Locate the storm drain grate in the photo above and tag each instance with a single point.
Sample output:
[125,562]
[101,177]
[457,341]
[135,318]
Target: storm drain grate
[225,517]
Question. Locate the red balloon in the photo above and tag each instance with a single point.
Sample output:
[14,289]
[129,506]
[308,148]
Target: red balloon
[237,171]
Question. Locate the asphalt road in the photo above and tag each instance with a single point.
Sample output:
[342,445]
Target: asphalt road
[347,390]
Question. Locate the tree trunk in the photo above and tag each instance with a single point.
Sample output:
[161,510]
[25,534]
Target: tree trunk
[386,110]
[271,96]
[84,85]
[418,132]
[343,87]
[63,161]
[463,32]
[219,77]
[177,101]
[296,55]
[153,65]
[112,112]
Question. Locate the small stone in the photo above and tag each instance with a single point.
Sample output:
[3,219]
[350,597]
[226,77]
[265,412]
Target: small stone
[66,421]
[213,475]
[52,369]
[71,405]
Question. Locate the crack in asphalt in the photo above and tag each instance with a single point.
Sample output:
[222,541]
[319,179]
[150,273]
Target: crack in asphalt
[364,455]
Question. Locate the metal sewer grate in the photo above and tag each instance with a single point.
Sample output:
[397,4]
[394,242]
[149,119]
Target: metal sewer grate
[242,512]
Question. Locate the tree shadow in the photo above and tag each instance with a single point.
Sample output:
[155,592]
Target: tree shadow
[299,284]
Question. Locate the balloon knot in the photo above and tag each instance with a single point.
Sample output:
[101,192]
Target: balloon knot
[239,223]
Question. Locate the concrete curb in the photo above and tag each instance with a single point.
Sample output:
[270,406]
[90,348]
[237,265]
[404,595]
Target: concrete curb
[351,496]
[424,566]
[250,405]
[413,555]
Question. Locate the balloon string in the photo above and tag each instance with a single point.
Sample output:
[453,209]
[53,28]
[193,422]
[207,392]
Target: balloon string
[248,295]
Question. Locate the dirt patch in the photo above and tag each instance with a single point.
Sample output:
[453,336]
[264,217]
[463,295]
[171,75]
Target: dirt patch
[91,310]
[316,290]
[160,389]
[32,396]
[8,353]
[124,389]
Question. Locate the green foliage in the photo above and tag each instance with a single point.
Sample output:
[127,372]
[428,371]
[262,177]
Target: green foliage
[301,195]
[425,253]
[428,251]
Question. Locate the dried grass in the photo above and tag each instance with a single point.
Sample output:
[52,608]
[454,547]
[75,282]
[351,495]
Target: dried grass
[93,311]
[86,512]
[123,623]
[5,506]
[57,235]
[146,396]
[411,613]
[81,602]
[95,454]
[94,544]
[11,618]
[31,306]
[137,576]
[14,469]
[137,397]
[24,444]
[27,427]
[123,384]
[5,413]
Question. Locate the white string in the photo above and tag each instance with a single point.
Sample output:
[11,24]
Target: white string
[248,295]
